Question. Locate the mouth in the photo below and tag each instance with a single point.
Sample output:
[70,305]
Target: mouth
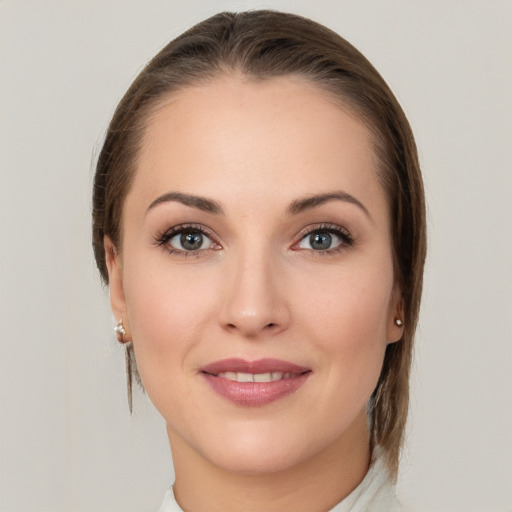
[254,383]
[256,377]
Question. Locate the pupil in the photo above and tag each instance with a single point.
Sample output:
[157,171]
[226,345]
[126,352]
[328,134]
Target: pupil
[321,241]
[191,241]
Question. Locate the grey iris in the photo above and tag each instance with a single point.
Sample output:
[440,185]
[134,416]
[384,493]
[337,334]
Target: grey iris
[191,241]
[320,241]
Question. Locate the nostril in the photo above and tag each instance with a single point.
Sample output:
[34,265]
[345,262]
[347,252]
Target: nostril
[234,327]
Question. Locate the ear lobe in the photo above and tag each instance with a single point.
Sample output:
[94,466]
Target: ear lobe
[115,279]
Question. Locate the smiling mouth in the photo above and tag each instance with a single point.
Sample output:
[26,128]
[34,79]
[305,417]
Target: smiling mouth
[256,377]
[254,383]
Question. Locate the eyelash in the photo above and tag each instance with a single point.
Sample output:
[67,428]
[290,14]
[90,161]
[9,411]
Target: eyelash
[163,238]
[343,234]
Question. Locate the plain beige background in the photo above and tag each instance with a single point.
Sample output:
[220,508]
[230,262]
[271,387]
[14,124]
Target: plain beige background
[67,442]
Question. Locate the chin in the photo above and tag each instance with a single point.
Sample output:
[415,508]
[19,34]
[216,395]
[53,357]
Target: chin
[261,449]
[260,460]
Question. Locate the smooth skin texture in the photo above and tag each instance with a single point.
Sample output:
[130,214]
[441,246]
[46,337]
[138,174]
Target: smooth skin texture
[258,285]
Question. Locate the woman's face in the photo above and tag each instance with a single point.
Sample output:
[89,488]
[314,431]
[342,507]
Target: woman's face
[256,276]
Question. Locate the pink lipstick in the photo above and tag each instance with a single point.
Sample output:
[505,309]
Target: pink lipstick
[254,382]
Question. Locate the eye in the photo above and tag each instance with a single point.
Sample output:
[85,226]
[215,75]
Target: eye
[325,240]
[190,240]
[186,240]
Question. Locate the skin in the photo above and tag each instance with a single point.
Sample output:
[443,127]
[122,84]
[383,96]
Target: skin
[259,289]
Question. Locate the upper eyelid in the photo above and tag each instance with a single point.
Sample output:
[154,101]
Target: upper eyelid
[324,226]
[192,227]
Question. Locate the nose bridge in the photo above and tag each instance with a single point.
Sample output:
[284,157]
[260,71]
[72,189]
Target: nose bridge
[254,301]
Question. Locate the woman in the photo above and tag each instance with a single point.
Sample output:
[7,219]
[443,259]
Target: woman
[259,218]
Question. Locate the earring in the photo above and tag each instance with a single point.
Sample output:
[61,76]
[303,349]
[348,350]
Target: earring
[398,322]
[120,331]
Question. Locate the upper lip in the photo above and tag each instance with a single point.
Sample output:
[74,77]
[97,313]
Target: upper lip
[239,365]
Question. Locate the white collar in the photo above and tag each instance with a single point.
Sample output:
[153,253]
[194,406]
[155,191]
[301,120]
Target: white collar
[375,493]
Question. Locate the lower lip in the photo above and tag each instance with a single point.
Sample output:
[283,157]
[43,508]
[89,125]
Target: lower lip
[255,393]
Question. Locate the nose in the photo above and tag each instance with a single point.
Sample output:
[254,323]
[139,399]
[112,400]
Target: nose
[254,299]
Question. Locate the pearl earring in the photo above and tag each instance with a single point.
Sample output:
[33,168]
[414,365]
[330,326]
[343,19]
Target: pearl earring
[120,331]
[398,322]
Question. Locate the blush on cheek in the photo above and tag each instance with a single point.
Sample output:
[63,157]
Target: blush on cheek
[167,321]
[355,319]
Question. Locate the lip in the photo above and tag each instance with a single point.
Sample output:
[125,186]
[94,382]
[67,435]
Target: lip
[254,393]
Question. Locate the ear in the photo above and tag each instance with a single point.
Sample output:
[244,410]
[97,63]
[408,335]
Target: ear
[394,332]
[115,281]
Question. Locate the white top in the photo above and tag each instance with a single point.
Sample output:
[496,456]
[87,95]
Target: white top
[375,493]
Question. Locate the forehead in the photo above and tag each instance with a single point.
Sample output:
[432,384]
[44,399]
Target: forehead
[239,135]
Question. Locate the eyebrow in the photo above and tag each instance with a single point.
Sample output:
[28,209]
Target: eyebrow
[201,203]
[297,206]
[307,203]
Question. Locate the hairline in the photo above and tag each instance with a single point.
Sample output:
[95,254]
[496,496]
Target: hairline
[336,96]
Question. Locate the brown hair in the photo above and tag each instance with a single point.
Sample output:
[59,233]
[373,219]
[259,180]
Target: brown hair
[261,45]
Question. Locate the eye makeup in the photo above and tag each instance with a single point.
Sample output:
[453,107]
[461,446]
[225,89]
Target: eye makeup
[195,239]
[187,240]
[325,238]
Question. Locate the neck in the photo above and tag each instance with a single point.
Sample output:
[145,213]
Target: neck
[317,483]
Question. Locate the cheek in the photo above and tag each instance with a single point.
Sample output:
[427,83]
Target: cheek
[347,317]
[167,309]
[350,302]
